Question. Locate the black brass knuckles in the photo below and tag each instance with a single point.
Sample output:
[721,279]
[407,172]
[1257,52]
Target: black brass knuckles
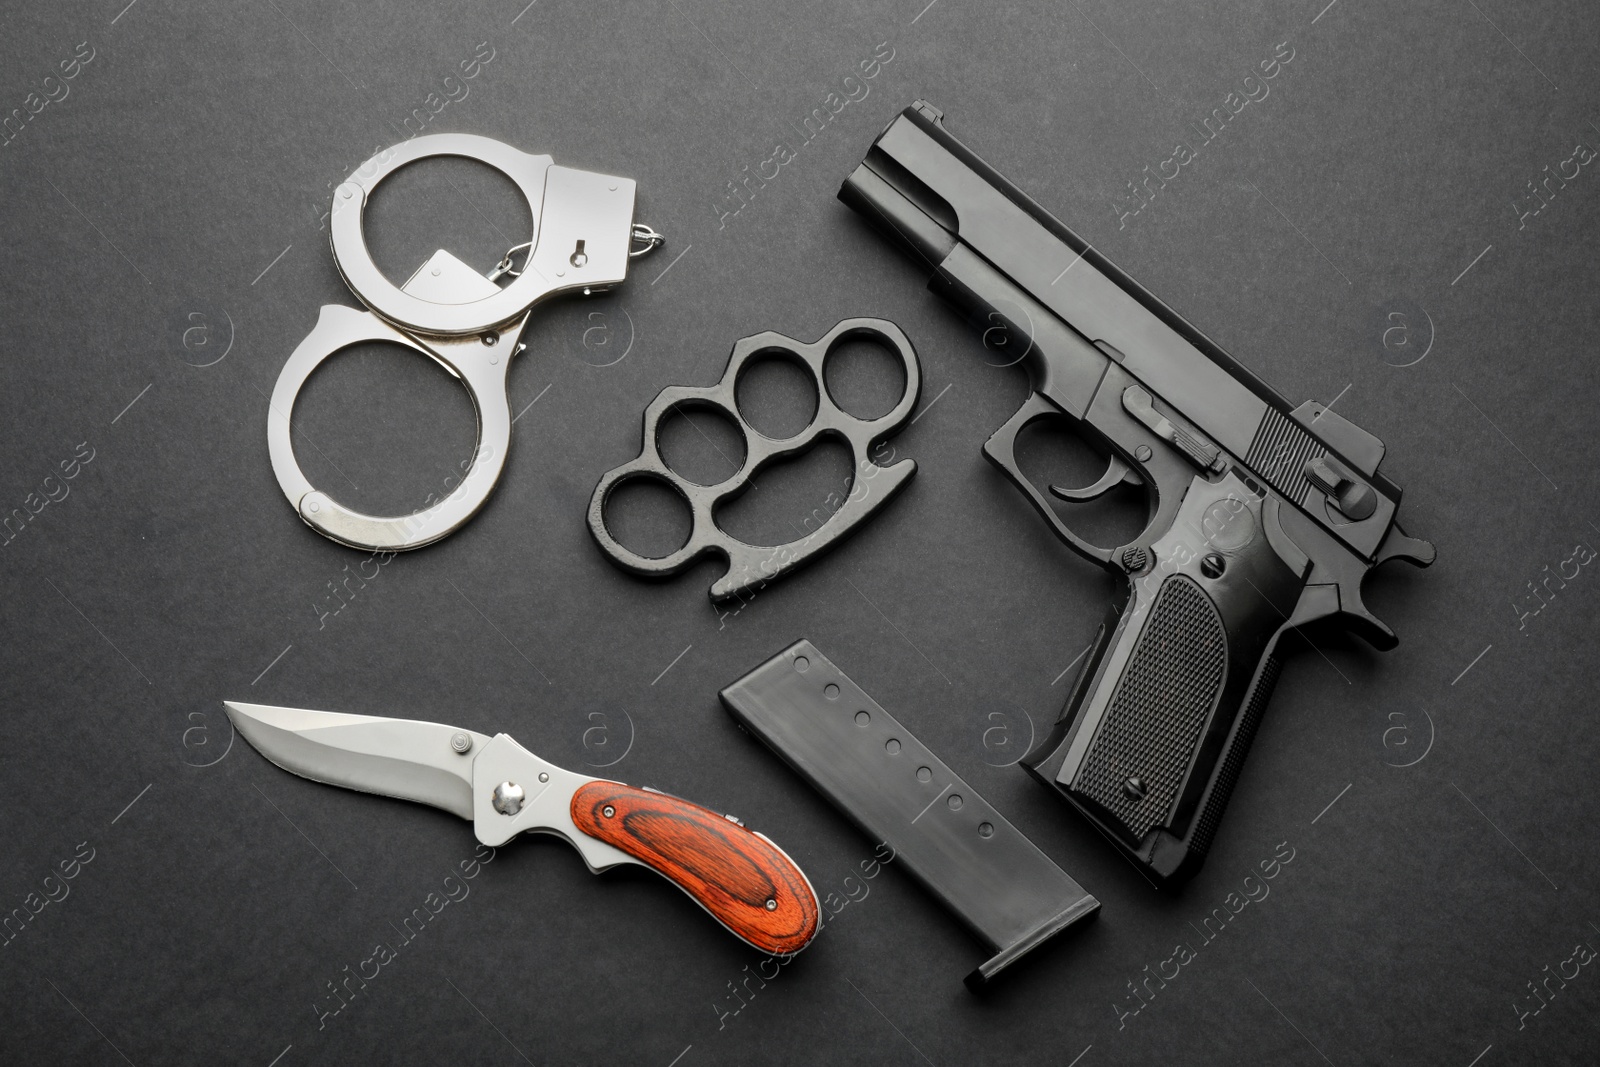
[749,566]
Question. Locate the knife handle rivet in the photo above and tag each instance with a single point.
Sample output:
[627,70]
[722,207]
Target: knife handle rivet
[609,811]
[543,777]
[461,741]
[772,905]
[507,798]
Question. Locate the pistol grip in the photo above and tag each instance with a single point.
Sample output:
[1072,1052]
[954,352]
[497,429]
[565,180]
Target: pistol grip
[1155,732]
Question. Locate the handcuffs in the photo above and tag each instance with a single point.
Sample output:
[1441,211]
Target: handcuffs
[583,237]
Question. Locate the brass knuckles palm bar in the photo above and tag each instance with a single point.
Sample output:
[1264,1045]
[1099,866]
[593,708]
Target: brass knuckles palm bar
[582,240]
[750,566]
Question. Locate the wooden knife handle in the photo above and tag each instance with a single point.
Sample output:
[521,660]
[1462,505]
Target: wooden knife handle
[745,881]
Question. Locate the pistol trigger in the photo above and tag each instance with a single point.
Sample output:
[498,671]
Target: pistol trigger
[1117,472]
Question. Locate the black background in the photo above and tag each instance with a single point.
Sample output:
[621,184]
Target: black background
[186,174]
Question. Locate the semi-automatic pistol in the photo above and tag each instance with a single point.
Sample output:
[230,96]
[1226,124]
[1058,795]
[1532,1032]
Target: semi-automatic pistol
[1262,517]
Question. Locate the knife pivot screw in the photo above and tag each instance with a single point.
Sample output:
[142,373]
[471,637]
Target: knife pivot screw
[543,777]
[508,798]
[461,741]
[608,811]
[772,905]
[1135,789]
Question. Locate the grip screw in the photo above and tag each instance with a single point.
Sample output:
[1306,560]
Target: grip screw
[772,905]
[1212,565]
[608,811]
[1135,789]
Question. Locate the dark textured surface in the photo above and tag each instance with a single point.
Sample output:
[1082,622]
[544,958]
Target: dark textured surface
[163,248]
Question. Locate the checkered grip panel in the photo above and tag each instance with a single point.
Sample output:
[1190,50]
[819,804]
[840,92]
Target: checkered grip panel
[1160,706]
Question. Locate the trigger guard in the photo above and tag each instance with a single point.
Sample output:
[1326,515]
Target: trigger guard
[1001,450]
[338,328]
[751,566]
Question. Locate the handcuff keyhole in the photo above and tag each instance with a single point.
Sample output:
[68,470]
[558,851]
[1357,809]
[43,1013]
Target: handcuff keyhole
[579,257]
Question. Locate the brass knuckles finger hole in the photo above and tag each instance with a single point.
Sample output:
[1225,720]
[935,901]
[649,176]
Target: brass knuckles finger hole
[633,476]
[827,420]
[710,407]
[765,349]
[892,339]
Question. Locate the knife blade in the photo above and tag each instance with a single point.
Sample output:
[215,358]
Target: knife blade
[741,877]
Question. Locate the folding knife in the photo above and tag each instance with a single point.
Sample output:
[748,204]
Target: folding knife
[746,882]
